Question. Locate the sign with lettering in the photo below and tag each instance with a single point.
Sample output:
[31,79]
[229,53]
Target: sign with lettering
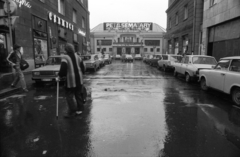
[23,3]
[146,26]
[60,21]
[81,32]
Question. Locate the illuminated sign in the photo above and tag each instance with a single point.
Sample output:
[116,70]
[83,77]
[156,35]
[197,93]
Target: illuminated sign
[146,26]
[60,21]
[23,3]
[81,32]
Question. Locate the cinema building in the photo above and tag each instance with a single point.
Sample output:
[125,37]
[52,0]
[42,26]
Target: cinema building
[130,38]
[42,28]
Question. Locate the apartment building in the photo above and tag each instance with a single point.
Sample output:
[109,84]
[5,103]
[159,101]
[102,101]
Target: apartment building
[184,26]
[43,27]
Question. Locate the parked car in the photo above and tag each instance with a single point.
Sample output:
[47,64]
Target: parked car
[49,71]
[91,62]
[107,59]
[191,64]
[225,77]
[154,61]
[138,57]
[123,57]
[129,58]
[148,58]
[117,57]
[168,60]
[101,59]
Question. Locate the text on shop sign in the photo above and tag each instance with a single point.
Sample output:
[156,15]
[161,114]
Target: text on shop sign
[23,3]
[60,21]
[128,26]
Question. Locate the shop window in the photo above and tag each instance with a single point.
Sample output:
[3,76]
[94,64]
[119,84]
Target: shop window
[176,44]
[185,43]
[75,37]
[158,49]
[98,49]
[61,7]
[83,22]
[169,47]
[74,16]
[185,12]
[151,49]
[40,52]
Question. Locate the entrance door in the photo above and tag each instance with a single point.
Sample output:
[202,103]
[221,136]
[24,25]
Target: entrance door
[119,50]
[137,50]
[128,50]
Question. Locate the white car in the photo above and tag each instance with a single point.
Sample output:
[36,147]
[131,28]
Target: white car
[191,64]
[225,77]
[118,57]
[91,62]
[49,71]
[138,57]
[168,60]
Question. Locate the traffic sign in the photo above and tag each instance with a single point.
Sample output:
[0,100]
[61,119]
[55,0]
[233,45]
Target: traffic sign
[12,7]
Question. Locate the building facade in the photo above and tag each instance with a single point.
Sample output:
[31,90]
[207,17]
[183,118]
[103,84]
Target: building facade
[42,28]
[221,33]
[129,38]
[184,26]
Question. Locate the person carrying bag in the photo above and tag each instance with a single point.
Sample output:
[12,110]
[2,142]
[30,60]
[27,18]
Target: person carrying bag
[16,60]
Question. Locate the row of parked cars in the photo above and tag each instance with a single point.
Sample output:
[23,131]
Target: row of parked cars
[128,57]
[50,70]
[223,76]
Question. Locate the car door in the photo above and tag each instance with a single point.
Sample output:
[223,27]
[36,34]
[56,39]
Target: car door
[217,76]
[184,65]
[232,75]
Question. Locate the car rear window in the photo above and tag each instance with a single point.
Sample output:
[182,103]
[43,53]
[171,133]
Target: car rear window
[53,61]
[85,58]
[176,58]
[204,60]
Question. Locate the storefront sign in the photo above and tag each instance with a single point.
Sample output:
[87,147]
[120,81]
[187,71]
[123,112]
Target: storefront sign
[60,21]
[128,26]
[81,32]
[23,3]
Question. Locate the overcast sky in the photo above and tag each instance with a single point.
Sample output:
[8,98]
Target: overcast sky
[127,11]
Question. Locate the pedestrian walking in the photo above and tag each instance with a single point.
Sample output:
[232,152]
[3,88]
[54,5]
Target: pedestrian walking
[73,69]
[14,58]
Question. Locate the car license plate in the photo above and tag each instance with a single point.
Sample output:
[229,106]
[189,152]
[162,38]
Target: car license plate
[46,79]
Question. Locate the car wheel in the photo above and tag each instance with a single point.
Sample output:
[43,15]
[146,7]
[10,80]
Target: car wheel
[236,96]
[203,84]
[187,78]
[175,73]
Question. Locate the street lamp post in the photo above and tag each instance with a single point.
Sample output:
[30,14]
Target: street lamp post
[9,22]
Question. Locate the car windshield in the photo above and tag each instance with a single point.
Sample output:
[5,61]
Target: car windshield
[53,61]
[176,58]
[204,60]
[85,58]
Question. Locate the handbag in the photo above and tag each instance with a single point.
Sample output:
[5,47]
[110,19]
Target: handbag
[23,64]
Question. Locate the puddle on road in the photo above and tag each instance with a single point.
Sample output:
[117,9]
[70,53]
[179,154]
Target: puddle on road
[13,96]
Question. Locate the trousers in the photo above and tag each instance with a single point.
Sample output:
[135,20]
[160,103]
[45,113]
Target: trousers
[19,76]
[76,93]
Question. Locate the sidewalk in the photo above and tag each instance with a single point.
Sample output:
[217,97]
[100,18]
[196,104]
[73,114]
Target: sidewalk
[5,84]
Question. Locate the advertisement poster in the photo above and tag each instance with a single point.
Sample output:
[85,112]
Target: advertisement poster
[40,52]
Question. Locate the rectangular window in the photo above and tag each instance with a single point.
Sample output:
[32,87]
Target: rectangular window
[74,16]
[170,23]
[98,49]
[110,49]
[176,44]
[158,49]
[118,40]
[145,49]
[185,12]
[137,40]
[185,44]
[169,47]
[151,49]
[61,7]
[176,20]
[83,22]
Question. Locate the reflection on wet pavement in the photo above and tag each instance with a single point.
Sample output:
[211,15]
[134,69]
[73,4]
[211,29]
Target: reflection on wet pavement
[135,111]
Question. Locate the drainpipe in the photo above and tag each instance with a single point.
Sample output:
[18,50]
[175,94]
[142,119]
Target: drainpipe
[194,19]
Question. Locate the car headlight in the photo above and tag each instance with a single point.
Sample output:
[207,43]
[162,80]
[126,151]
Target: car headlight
[36,73]
[56,73]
